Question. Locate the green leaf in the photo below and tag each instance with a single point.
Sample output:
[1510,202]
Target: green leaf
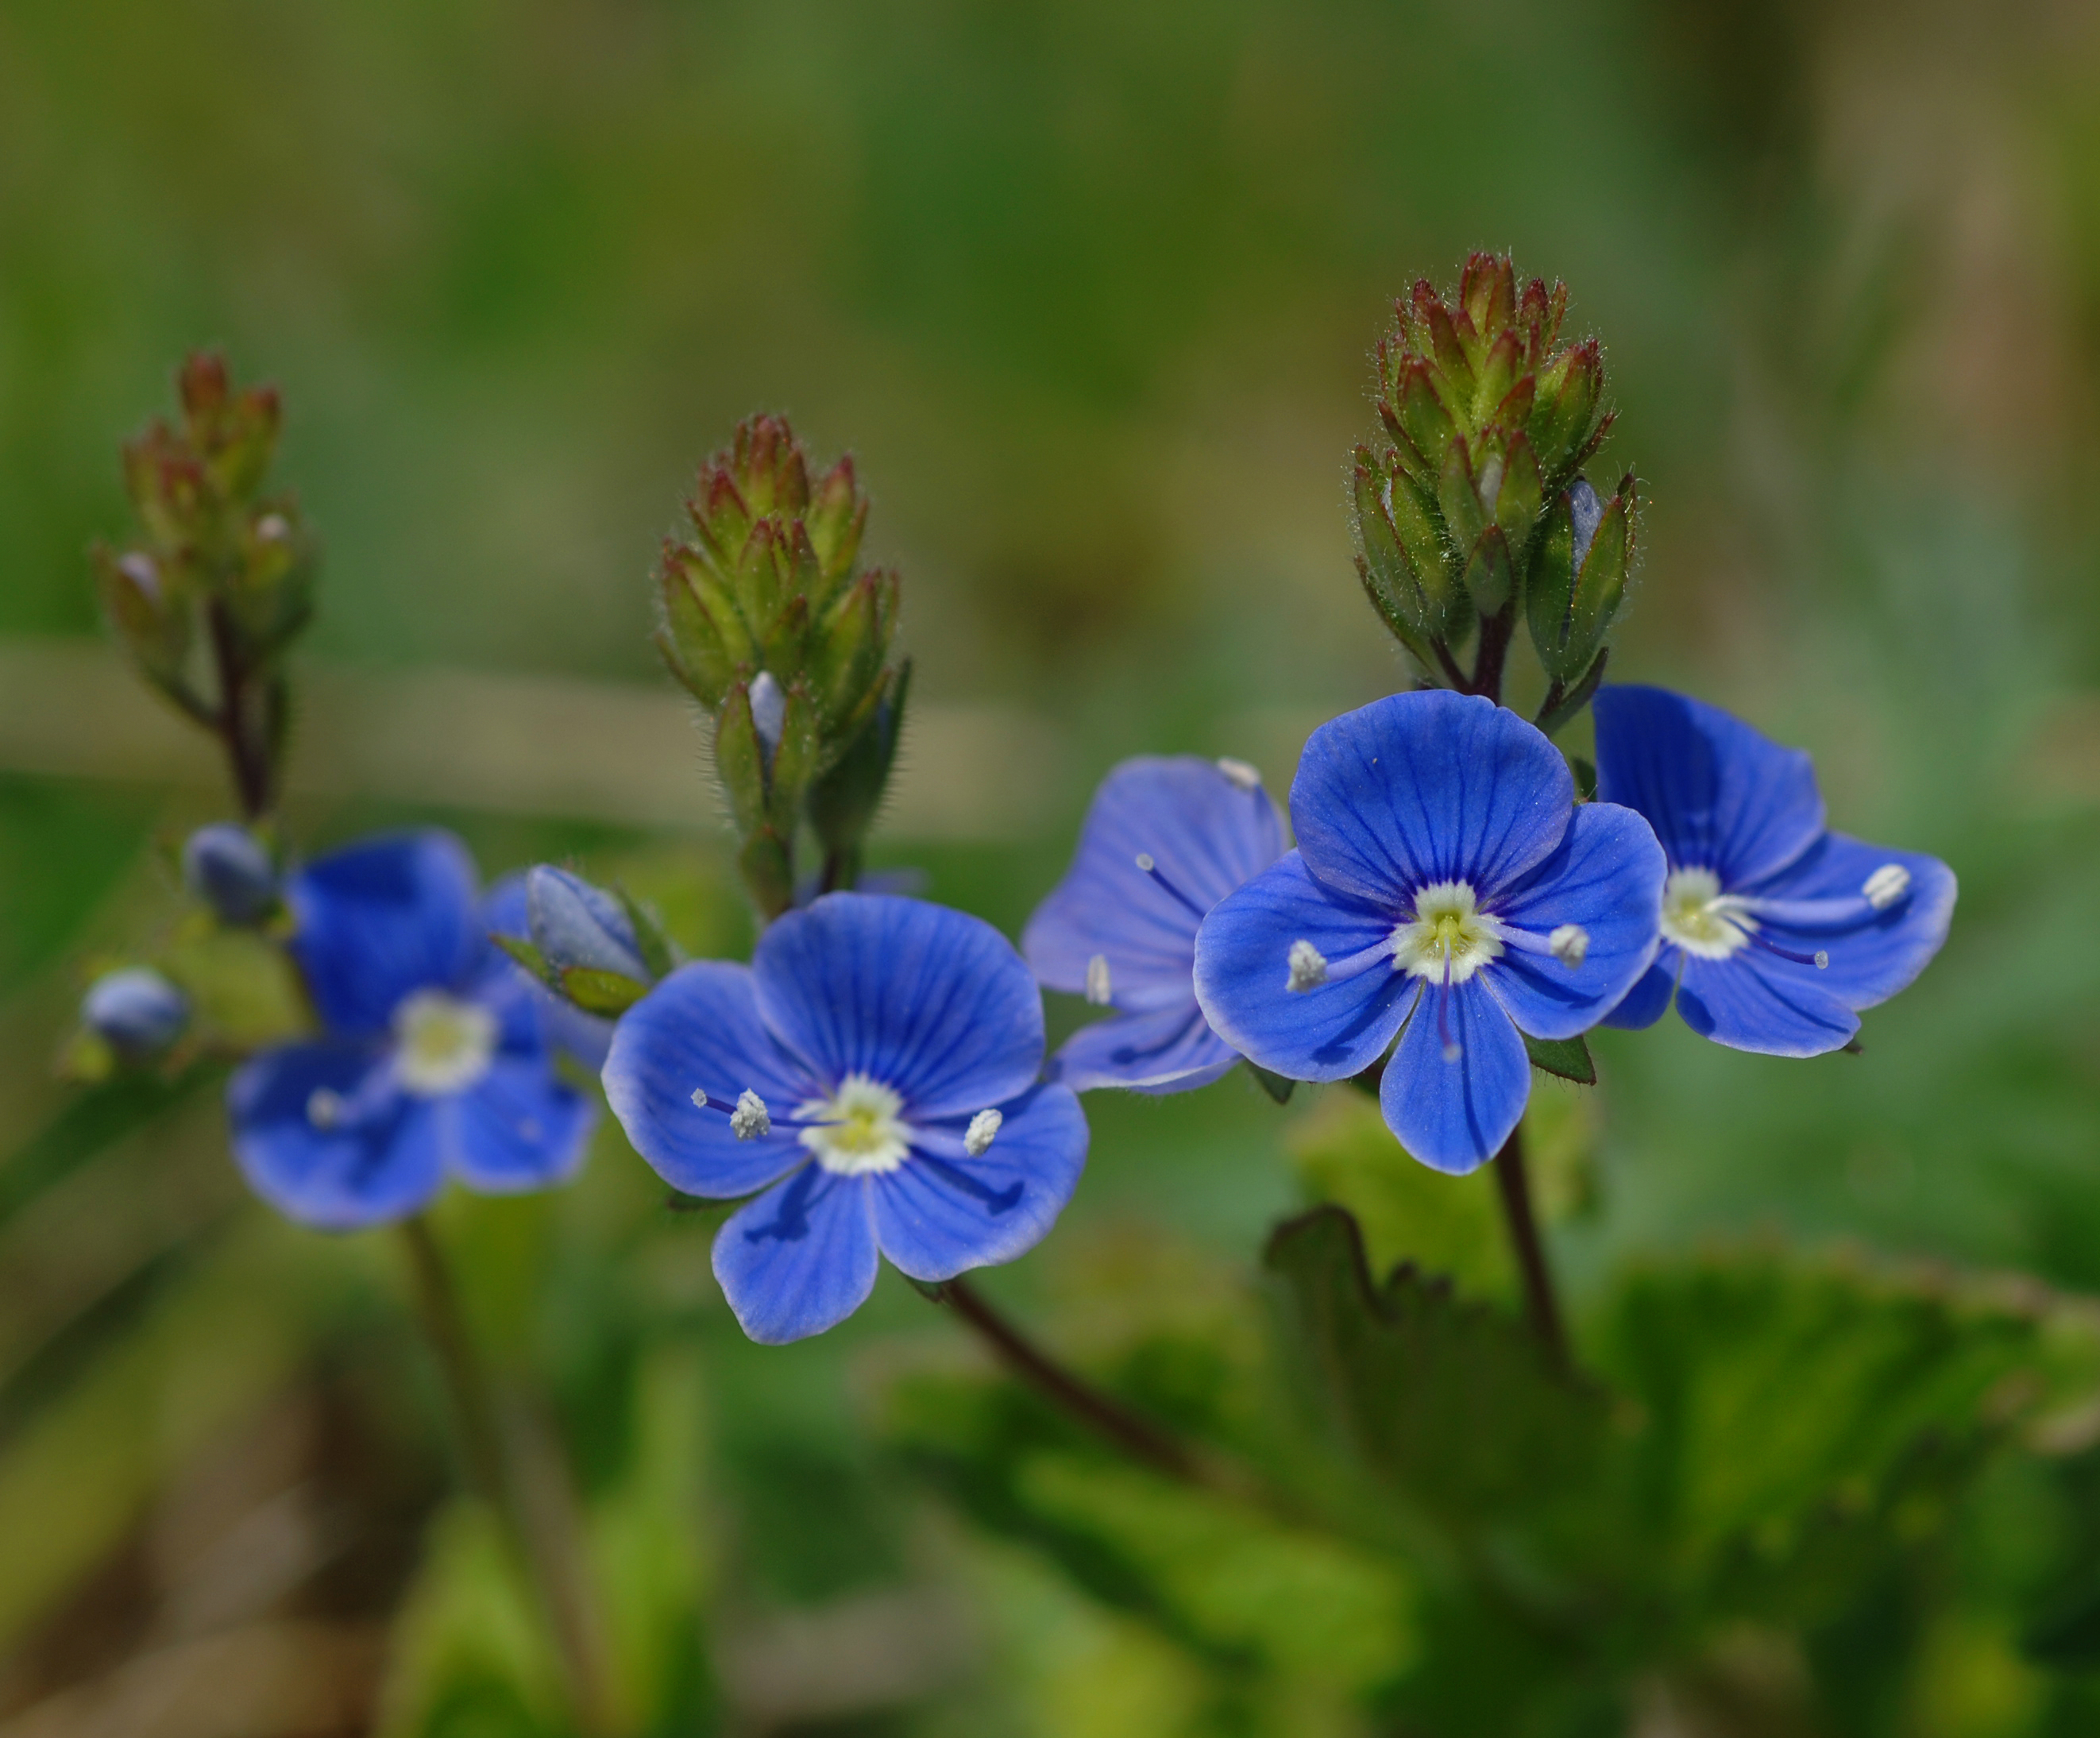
[530,957]
[1567,1057]
[1452,1406]
[1276,1086]
[650,941]
[608,993]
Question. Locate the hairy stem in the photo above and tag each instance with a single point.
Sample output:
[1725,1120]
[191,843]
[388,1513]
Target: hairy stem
[553,1572]
[1541,1307]
[1134,1435]
[235,722]
[1494,653]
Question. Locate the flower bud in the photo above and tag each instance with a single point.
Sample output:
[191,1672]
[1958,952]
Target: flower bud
[578,927]
[135,1011]
[228,868]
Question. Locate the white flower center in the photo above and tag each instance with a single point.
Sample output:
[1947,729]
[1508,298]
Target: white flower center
[1700,918]
[859,1129]
[444,1045]
[1449,936]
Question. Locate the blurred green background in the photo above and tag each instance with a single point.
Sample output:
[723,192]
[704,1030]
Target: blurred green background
[1089,290]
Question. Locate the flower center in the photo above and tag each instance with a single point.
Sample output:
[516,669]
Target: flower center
[445,1045]
[859,1129]
[1449,937]
[1699,918]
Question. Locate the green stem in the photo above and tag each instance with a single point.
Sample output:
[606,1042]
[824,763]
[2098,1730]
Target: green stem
[1541,1307]
[548,1569]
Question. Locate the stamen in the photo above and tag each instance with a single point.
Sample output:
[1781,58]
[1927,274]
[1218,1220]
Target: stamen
[1099,991]
[1144,862]
[750,1119]
[978,1136]
[1885,885]
[1308,967]
[323,1109]
[1820,960]
[1443,994]
[1246,777]
[1569,944]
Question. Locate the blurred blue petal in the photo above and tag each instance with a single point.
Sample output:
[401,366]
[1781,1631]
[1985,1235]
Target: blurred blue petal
[322,1135]
[700,1029]
[1241,968]
[1172,1049]
[1428,786]
[1606,878]
[943,1211]
[520,1127]
[1208,833]
[929,1001]
[801,1257]
[1453,1114]
[1649,1000]
[1719,795]
[380,920]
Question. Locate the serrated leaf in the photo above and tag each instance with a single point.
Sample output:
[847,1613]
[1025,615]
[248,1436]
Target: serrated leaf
[1567,1057]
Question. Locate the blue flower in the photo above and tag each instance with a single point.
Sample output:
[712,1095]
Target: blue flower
[1445,887]
[1165,841]
[432,1060]
[874,1071]
[1775,932]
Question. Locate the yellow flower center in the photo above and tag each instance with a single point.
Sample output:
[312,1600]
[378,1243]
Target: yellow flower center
[1699,918]
[858,1130]
[1449,936]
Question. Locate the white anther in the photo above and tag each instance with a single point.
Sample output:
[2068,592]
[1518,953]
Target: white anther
[750,1119]
[977,1136]
[1308,967]
[1569,944]
[1822,960]
[1144,862]
[1246,777]
[1885,885]
[1099,989]
[324,1108]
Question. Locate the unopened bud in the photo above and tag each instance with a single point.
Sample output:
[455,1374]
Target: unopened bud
[578,927]
[229,869]
[135,1011]
[139,567]
[769,710]
[1586,510]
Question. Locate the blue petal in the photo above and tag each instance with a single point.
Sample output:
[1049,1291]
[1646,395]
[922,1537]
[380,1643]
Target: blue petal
[1751,1001]
[1208,836]
[1241,968]
[1170,1050]
[933,1002]
[1428,786]
[1873,954]
[507,987]
[801,1257]
[1719,795]
[700,1029]
[382,1160]
[519,1127]
[381,919]
[1649,999]
[937,1215]
[1608,877]
[1453,1115]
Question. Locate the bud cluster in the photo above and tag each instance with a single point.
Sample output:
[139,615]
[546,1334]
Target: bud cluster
[771,624]
[221,579]
[1476,512]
